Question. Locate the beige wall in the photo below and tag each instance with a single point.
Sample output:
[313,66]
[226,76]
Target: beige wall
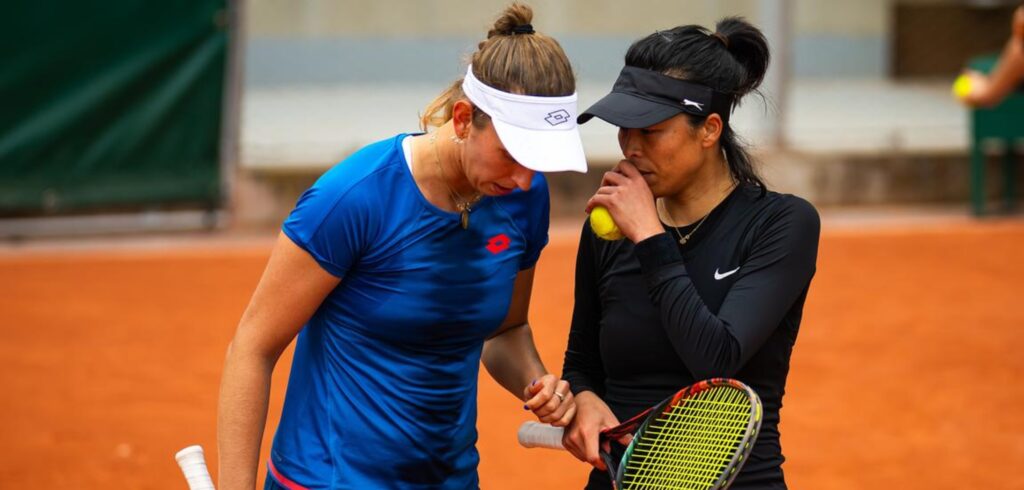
[407,18]
[828,38]
[441,18]
[837,17]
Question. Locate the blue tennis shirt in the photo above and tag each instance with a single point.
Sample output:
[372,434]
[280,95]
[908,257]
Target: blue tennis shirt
[383,385]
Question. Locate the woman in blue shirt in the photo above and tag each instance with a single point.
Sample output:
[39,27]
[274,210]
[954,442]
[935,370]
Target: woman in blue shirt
[400,270]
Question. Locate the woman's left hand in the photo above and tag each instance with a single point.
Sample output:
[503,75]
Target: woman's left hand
[550,400]
[629,200]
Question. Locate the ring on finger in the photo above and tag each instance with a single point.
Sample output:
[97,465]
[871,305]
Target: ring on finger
[561,397]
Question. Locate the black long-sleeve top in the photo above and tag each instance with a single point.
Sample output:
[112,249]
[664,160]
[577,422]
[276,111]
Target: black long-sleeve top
[654,317]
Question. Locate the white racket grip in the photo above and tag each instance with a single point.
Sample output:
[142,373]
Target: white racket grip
[193,465]
[536,434]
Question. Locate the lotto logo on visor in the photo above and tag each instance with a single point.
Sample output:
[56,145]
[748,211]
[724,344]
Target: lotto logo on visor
[558,117]
[540,132]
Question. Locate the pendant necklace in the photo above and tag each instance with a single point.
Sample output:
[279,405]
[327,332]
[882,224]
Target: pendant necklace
[463,206]
[685,238]
[682,238]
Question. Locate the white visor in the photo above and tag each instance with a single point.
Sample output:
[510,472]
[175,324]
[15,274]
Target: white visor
[539,132]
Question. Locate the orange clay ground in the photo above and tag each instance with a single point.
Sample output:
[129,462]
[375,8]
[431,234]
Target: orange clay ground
[907,372]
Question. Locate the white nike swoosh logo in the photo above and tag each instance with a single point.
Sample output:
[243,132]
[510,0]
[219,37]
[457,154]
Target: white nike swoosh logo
[719,277]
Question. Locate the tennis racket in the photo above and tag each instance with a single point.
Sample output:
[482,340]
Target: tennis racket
[193,465]
[698,438]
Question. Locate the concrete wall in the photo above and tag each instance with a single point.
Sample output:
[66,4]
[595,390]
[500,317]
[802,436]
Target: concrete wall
[321,73]
[826,180]
[325,41]
[463,18]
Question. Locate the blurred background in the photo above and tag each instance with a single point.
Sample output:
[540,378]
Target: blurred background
[150,150]
[233,109]
[857,107]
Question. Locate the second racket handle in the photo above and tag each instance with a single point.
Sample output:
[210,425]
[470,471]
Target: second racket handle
[193,465]
[536,434]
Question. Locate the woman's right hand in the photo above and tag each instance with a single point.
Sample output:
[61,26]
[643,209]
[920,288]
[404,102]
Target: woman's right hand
[628,198]
[582,434]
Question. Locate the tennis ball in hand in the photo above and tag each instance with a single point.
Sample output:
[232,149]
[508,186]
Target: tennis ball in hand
[962,86]
[603,225]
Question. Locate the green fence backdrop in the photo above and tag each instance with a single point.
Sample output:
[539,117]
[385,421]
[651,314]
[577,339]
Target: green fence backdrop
[110,104]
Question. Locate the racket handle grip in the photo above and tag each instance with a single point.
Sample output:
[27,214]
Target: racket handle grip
[536,434]
[193,465]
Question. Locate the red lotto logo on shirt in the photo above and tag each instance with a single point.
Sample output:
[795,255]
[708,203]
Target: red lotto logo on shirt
[498,244]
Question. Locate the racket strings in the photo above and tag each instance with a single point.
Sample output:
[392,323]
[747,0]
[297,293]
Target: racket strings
[701,465]
[701,468]
[710,451]
[690,445]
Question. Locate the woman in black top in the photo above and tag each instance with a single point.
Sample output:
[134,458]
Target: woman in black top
[712,278]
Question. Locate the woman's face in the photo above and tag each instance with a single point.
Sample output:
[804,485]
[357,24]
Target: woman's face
[489,167]
[667,154]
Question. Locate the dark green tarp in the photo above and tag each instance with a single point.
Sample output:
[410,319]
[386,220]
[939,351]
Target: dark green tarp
[110,104]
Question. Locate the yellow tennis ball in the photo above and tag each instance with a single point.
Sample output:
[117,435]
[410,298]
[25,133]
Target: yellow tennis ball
[603,225]
[962,87]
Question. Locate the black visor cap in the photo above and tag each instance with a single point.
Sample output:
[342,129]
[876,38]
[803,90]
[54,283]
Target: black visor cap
[642,98]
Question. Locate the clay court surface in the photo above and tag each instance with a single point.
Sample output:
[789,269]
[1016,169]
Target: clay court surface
[906,373]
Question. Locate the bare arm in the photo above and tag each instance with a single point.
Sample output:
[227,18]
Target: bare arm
[292,287]
[511,358]
[1006,75]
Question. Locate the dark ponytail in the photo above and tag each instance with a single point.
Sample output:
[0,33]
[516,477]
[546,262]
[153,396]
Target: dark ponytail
[733,60]
[748,47]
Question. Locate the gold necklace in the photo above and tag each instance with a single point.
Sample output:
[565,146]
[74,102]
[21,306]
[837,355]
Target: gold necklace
[685,238]
[682,238]
[463,206]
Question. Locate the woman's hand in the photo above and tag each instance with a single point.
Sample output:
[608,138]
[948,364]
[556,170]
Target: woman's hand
[627,197]
[582,435]
[980,94]
[550,400]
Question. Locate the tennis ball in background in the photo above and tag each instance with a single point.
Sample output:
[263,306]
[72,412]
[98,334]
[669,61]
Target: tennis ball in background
[603,225]
[962,86]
